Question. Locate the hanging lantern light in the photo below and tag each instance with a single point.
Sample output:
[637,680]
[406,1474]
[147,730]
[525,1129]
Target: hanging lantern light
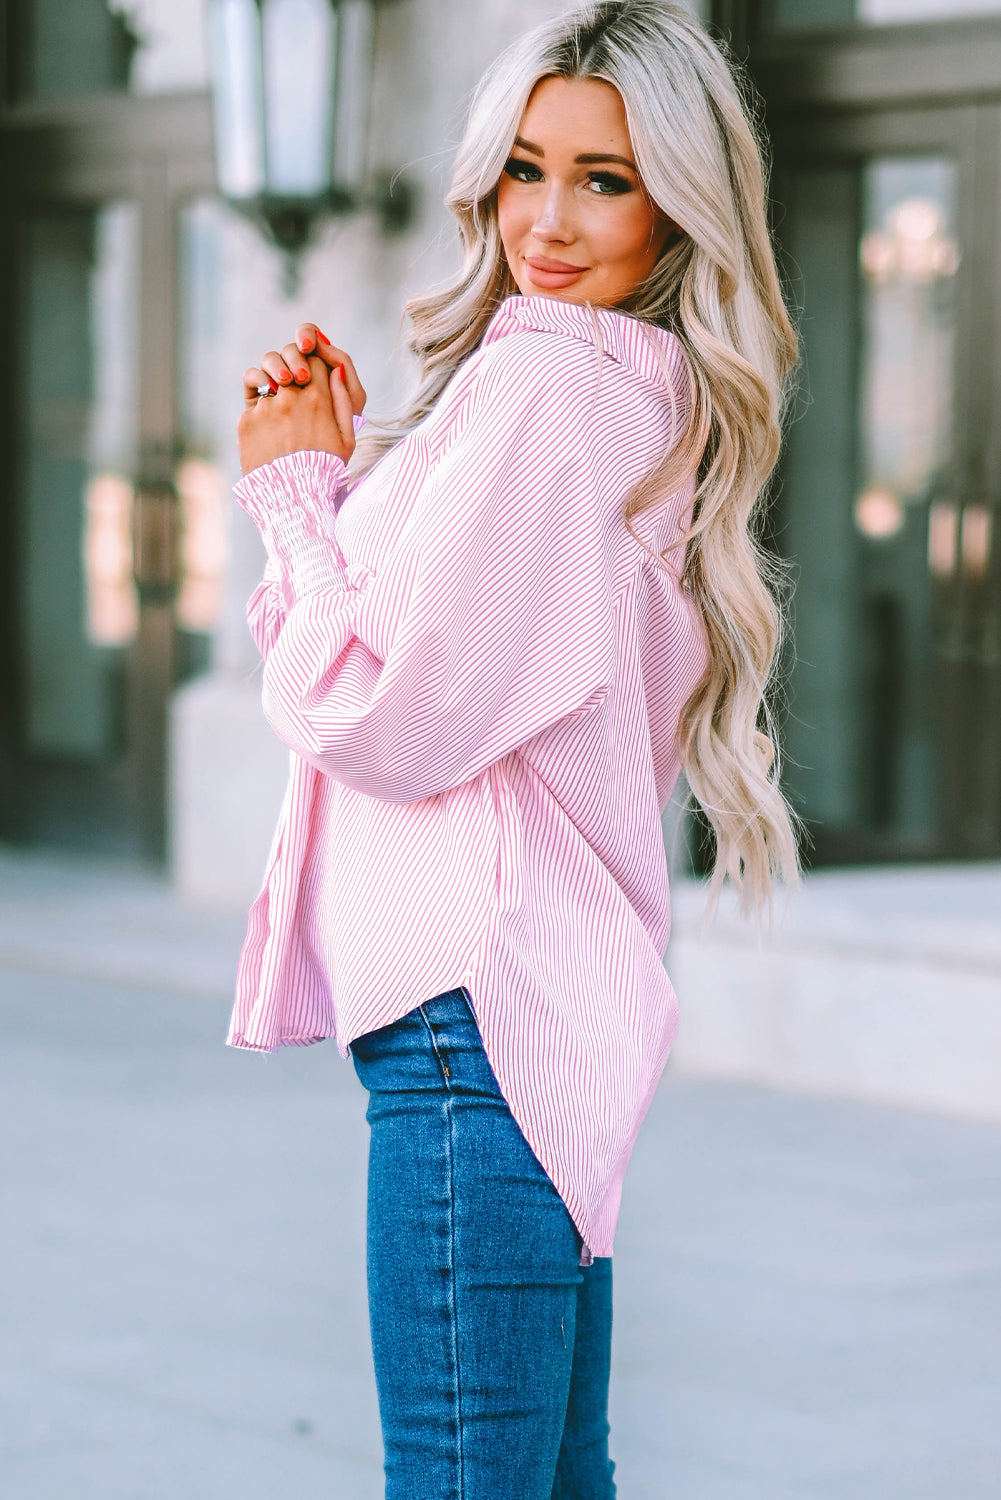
[291,81]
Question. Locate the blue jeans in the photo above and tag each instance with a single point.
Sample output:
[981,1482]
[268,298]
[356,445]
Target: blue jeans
[492,1343]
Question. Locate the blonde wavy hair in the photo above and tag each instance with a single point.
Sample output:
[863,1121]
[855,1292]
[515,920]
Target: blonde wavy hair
[716,288]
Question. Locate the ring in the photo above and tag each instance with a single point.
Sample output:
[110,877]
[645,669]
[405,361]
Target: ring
[265,390]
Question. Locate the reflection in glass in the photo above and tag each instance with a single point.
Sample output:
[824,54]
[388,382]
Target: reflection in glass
[868,510]
[943,533]
[909,257]
[112,604]
[203,495]
[878,512]
[77,434]
[975,548]
[200,482]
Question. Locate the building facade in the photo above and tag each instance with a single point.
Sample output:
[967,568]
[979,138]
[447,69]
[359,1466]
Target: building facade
[133,300]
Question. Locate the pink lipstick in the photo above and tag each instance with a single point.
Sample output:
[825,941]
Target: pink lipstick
[552,274]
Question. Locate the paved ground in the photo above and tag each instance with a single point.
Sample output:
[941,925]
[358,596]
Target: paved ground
[808,1293]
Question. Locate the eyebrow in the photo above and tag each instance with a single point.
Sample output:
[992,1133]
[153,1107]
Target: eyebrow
[586,158]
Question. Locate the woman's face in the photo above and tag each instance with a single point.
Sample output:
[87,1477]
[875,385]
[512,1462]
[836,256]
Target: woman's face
[575,220]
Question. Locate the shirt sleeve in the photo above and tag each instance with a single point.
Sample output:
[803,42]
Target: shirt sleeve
[325,488]
[491,620]
[266,608]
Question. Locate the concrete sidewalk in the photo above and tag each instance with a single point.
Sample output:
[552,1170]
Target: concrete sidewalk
[808,1292]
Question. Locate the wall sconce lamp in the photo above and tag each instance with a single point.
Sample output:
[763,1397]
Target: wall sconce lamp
[290,83]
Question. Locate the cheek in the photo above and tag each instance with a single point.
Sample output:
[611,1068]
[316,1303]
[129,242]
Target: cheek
[632,235]
[509,215]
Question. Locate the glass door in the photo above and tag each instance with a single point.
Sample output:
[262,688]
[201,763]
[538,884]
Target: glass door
[74,607]
[110,546]
[889,490]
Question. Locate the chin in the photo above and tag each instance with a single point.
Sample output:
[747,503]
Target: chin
[559,294]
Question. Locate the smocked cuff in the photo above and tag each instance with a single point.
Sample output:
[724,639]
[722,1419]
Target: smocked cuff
[293,502]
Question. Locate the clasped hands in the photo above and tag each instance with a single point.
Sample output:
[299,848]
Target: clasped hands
[316,397]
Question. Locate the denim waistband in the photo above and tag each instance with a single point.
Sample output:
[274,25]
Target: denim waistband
[435,1047]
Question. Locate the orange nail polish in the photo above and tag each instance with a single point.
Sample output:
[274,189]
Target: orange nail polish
[342,373]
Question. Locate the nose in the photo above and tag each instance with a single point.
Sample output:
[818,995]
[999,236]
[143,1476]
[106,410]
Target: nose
[555,218]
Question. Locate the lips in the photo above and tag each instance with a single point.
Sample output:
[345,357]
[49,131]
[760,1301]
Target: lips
[551,275]
[557,267]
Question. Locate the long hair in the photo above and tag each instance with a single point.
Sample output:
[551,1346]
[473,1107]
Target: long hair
[716,288]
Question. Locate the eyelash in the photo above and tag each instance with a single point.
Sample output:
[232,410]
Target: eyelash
[611,182]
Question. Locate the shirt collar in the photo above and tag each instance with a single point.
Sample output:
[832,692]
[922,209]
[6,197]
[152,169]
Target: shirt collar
[652,352]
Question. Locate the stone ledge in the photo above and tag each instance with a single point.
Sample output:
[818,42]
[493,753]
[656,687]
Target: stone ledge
[877,984]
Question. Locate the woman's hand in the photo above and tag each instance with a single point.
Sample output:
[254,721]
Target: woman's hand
[318,414]
[290,366]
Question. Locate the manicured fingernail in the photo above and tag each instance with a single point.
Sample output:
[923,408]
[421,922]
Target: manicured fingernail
[342,373]
[322,336]
[274,386]
[304,343]
[285,376]
[302,374]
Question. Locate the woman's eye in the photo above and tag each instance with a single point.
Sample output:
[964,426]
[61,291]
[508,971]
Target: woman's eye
[522,171]
[610,182]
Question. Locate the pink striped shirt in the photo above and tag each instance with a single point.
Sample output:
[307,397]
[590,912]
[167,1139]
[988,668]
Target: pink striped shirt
[479,673]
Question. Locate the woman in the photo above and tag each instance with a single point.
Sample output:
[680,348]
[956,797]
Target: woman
[490,652]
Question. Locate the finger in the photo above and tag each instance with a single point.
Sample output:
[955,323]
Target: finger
[297,362]
[274,365]
[333,356]
[329,353]
[253,379]
[354,386]
[340,398]
[308,336]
